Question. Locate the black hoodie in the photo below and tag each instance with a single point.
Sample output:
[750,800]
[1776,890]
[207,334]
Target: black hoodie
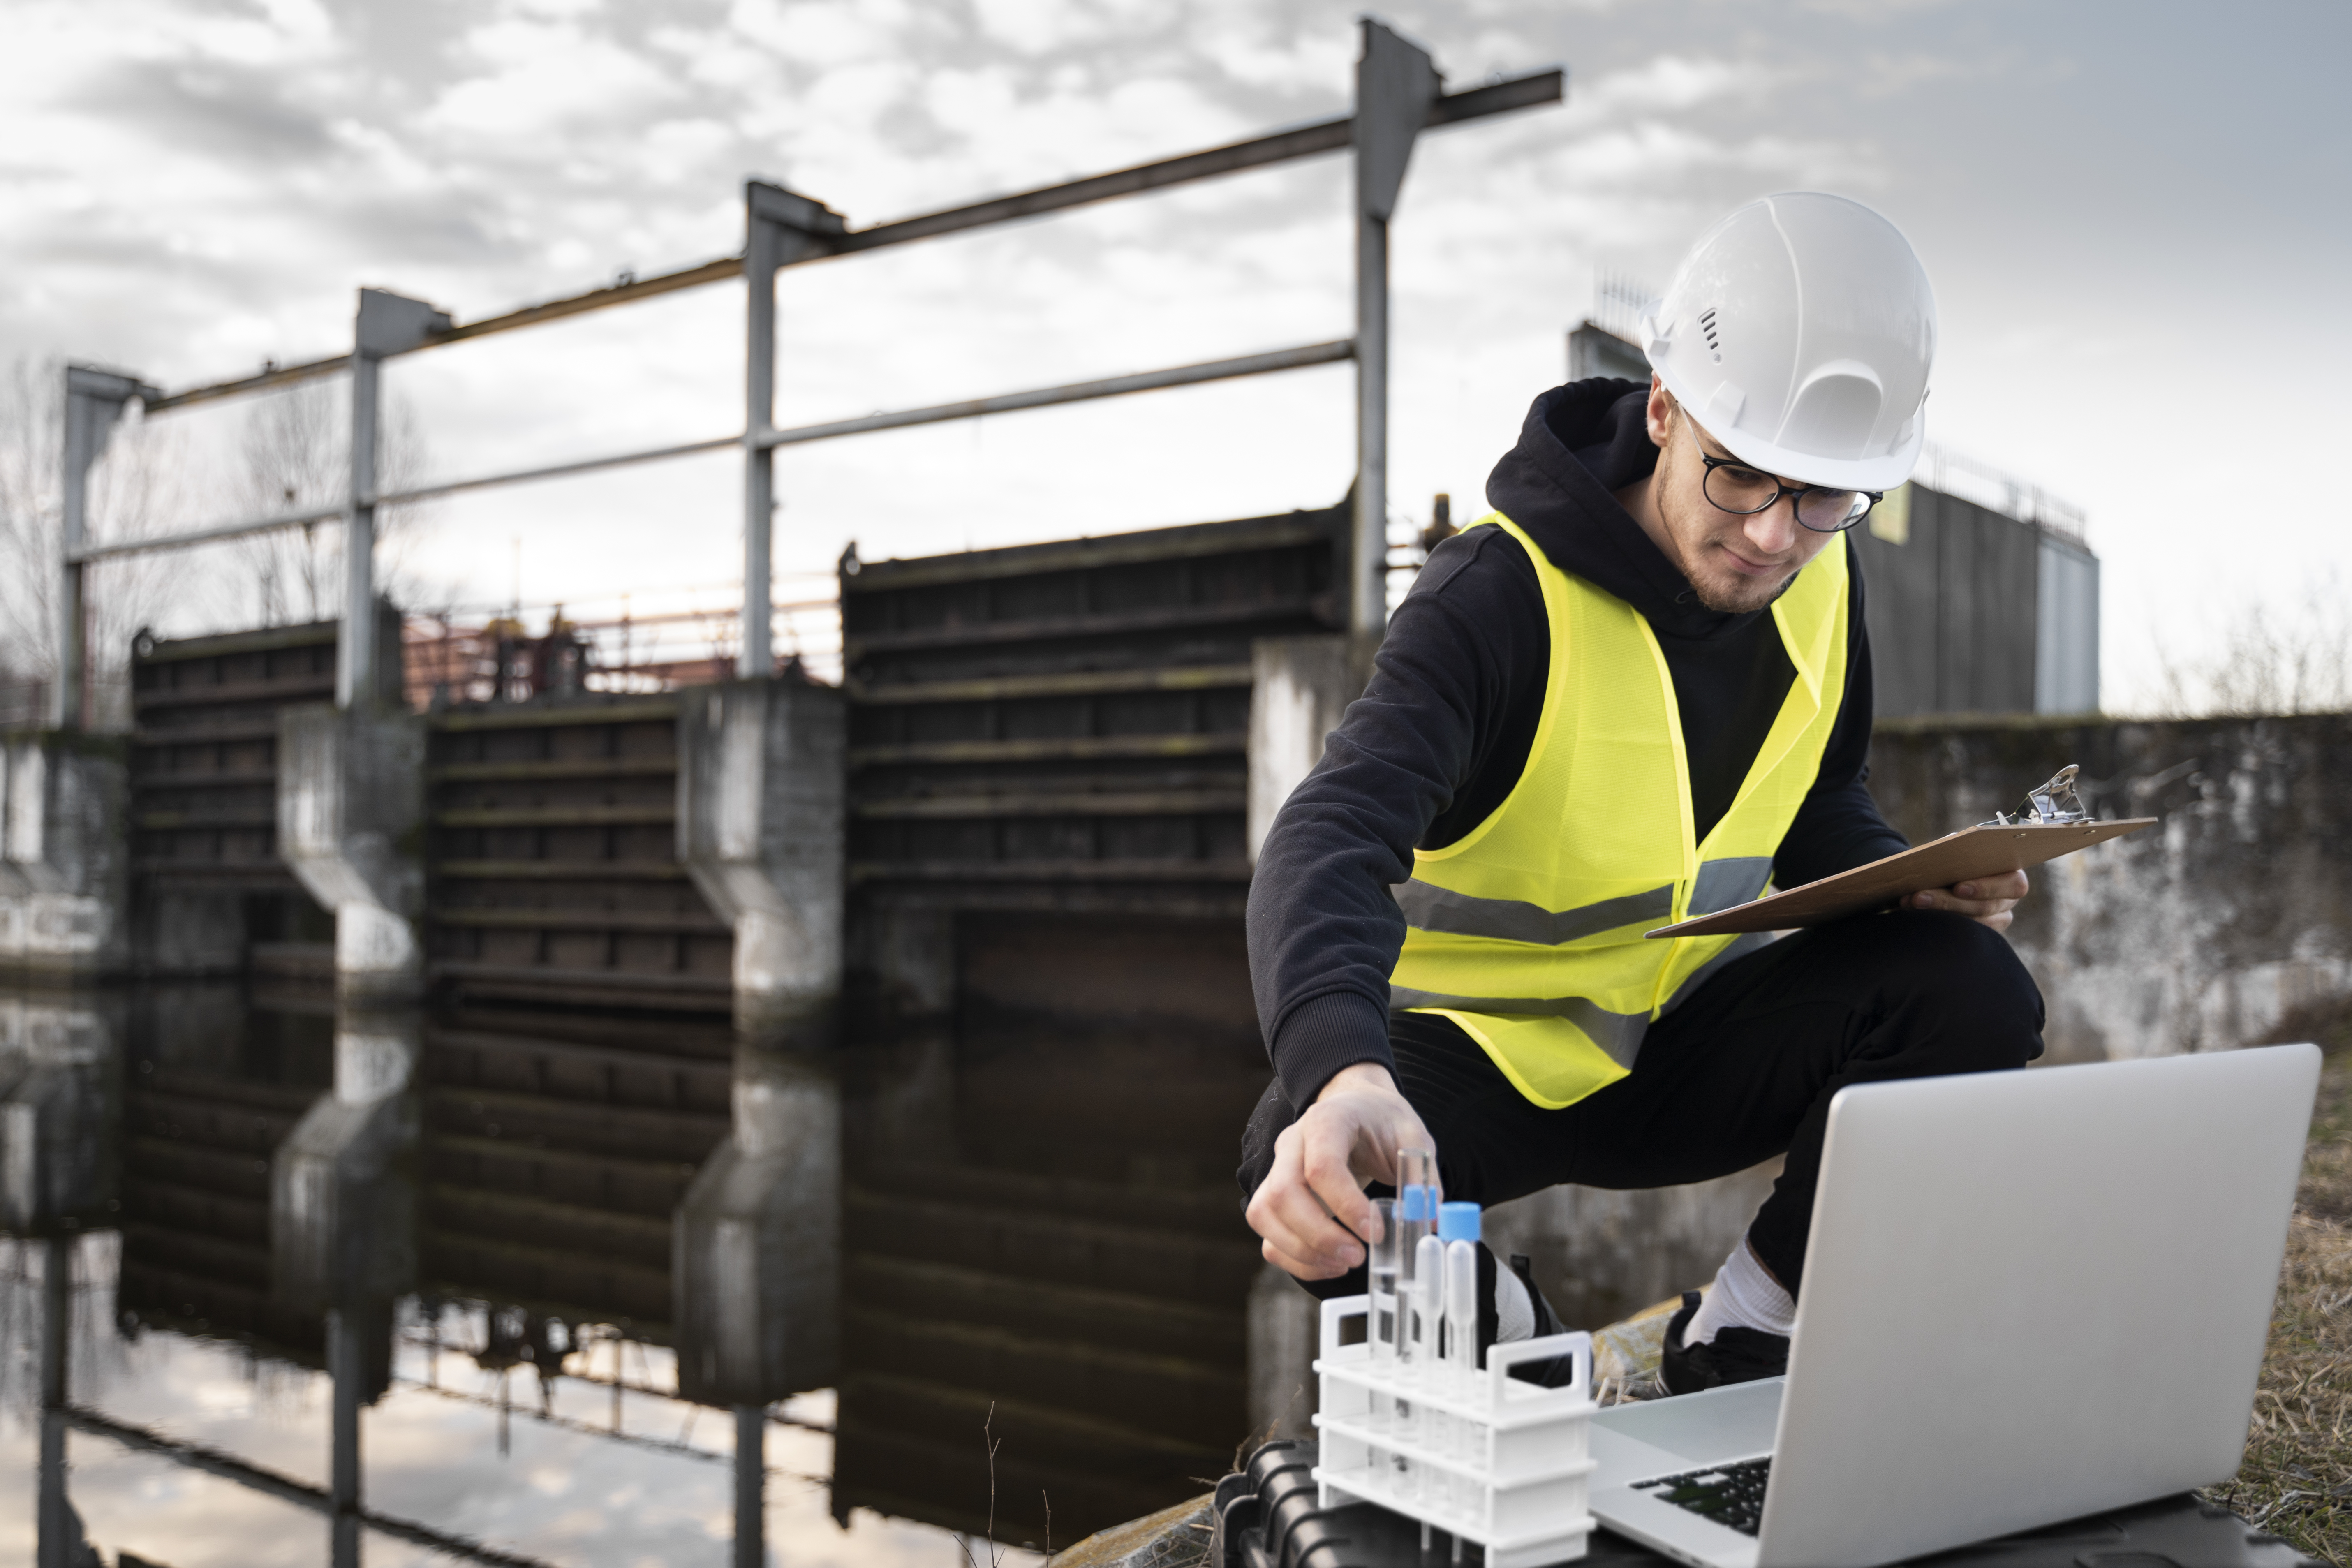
[1442,732]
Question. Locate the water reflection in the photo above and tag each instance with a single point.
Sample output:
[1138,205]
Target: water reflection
[280,1286]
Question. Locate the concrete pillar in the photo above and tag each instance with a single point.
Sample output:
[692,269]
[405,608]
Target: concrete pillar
[60,1105]
[343,1203]
[64,855]
[1299,688]
[342,1228]
[756,1243]
[351,814]
[761,818]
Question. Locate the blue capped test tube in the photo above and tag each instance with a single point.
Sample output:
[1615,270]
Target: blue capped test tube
[1458,1230]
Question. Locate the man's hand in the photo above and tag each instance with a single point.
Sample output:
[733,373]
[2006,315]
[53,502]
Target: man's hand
[1313,1199]
[1988,900]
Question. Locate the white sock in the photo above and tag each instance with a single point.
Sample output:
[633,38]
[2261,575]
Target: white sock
[1515,1315]
[1744,1297]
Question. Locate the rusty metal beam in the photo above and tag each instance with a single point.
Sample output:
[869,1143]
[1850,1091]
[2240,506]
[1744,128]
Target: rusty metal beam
[561,470]
[974,408]
[1077,392]
[1301,141]
[301,517]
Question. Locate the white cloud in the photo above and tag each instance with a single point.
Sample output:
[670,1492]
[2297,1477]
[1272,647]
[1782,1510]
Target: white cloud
[545,79]
[1666,84]
[1040,26]
[191,186]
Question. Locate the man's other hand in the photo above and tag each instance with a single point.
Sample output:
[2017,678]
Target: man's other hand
[1987,901]
[1311,1209]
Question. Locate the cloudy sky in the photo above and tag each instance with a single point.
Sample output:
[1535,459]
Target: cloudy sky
[2132,213]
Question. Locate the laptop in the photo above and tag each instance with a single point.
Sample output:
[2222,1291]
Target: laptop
[2028,1297]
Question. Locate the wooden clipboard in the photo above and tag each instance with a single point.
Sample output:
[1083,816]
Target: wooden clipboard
[1955,857]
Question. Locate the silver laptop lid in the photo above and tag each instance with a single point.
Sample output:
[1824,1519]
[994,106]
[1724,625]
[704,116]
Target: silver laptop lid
[2029,1295]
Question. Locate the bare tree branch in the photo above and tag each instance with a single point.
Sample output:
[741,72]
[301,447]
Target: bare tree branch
[2269,660]
[297,446]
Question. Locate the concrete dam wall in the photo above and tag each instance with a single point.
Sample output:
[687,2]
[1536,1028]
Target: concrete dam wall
[2204,933]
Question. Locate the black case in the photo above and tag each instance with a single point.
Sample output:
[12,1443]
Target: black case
[1266,1517]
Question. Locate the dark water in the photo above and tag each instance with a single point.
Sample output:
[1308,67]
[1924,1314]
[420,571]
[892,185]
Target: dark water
[1021,1232]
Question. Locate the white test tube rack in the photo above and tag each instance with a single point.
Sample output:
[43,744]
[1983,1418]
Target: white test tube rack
[1513,1478]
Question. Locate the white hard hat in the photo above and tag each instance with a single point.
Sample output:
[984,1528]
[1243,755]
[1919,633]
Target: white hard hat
[1800,331]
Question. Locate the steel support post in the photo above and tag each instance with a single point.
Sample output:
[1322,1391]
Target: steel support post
[343,1374]
[780,228]
[386,325]
[94,400]
[750,1486]
[762,244]
[1369,609]
[1396,83]
[58,1534]
[355,644]
[65,693]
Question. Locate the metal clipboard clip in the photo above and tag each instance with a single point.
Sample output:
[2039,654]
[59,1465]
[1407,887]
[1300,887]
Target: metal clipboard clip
[2054,802]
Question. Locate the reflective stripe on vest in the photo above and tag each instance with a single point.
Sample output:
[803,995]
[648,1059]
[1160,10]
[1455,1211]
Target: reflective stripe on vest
[1528,930]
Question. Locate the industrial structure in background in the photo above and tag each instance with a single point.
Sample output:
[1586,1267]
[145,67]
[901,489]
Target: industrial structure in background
[1981,593]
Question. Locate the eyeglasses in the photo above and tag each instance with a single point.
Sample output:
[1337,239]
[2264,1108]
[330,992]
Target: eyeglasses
[1734,487]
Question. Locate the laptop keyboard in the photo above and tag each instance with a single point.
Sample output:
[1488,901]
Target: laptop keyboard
[1732,1495]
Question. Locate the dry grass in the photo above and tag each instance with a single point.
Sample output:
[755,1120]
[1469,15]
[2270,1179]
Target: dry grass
[2297,1479]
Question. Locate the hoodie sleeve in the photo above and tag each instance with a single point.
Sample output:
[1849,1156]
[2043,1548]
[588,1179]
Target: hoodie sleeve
[1839,826]
[1467,647]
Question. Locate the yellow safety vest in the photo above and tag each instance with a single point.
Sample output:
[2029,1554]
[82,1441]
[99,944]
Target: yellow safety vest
[1528,930]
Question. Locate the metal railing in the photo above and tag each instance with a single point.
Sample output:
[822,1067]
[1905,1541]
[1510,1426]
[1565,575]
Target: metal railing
[1397,96]
[516,653]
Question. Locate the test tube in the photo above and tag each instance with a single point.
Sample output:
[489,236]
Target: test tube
[1435,1428]
[1381,1331]
[1457,1228]
[1411,1228]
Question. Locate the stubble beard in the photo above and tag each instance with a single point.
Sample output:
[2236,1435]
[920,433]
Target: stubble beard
[1722,590]
[1737,597]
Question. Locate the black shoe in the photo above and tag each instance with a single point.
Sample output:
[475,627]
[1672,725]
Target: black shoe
[1734,1355]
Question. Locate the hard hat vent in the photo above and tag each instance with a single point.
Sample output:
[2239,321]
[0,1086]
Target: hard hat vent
[1714,341]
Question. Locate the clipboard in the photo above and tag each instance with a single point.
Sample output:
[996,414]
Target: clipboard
[1986,850]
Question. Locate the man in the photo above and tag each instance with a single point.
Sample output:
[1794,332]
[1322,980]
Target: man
[1632,695]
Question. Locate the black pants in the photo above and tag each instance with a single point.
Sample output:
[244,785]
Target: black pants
[1742,1070]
